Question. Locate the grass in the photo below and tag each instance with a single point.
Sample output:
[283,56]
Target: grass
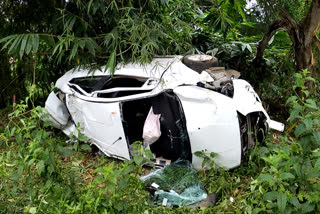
[41,173]
[77,172]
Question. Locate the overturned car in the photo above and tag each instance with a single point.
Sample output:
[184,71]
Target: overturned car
[197,109]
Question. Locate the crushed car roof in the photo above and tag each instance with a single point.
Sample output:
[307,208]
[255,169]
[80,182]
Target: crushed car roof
[170,69]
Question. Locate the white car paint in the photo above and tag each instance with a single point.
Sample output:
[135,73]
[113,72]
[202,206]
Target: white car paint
[248,101]
[101,123]
[211,118]
[212,124]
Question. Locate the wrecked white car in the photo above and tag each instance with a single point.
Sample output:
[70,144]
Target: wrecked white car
[197,109]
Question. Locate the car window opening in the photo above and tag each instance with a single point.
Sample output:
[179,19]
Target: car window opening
[121,93]
[174,141]
[86,83]
[92,84]
[123,81]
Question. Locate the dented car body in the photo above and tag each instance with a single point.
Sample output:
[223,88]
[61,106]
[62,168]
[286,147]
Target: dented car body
[196,113]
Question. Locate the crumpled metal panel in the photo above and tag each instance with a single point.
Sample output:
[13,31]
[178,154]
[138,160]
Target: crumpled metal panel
[212,124]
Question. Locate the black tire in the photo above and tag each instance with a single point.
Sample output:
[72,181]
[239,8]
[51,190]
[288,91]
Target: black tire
[200,62]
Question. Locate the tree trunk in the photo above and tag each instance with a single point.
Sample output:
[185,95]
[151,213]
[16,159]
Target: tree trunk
[302,35]
[304,57]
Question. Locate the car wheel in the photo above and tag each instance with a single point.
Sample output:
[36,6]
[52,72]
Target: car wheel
[200,62]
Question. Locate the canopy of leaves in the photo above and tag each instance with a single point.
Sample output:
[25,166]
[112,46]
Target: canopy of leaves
[91,31]
[269,9]
[47,38]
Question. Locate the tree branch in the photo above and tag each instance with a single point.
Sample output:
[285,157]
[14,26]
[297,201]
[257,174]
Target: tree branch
[312,21]
[293,28]
[274,27]
[286,16]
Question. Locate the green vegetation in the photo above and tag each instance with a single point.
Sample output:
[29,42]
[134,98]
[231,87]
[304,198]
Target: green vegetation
[41,173]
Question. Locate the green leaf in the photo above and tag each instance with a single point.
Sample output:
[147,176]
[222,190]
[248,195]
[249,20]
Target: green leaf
[308,122]
[138,159]
[297,169]
[298,75]
[74,51]
[213,154]
[41,166]
[20,170]
[286,175]
[199,154]
[111,63]
[311,104]
[299,130]
[243,46]
[127,170]
[213,52]
[123,183]
[82,43]
[14,47]
[306,93]
[90,47]
[71,21]
[30,162]
[317,164]
[13,131]
[35,43]
[249,48]
[292,99]
[89,6]
[282,201]
[82,137]
[271,40]
[29,44]
[85,147]
[296,111]
[7,38]
[148,153]
[316,135]
[257,210]
[58,46]
[23,45]
[316,153]
[267,178]
[65,151]
[300,83]
[310,79]
[270,196]
[307,207]
[295,202]
[33,210]
[8,41]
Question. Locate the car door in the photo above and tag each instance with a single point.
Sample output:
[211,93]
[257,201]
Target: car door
[99,116]
[212,125]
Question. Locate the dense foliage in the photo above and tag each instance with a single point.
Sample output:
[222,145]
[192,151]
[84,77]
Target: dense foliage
[40,173]
[40,40]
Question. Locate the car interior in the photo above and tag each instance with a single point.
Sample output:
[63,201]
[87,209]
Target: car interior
[174,141]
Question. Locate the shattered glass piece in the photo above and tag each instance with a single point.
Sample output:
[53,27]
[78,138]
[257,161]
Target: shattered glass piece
[178,184]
